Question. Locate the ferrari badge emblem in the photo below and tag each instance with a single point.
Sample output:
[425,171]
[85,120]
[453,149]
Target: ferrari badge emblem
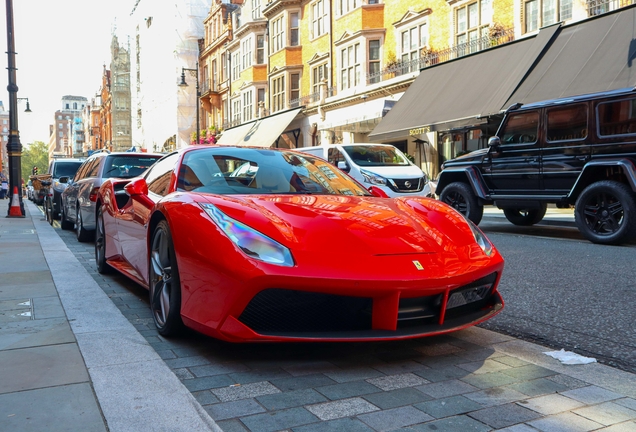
[418,265]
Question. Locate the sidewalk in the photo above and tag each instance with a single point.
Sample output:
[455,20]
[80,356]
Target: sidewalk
[70,361]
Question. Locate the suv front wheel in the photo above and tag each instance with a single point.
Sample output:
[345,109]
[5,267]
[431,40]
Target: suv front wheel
[525,217]
[460,196]
[605,213]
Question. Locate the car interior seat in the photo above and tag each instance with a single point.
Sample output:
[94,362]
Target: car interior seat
[271,179]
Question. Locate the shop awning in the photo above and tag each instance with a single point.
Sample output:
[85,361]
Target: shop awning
[464,91]
[361,117]
[262,132]
[590,56]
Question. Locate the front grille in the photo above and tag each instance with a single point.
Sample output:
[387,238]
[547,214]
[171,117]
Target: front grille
[289,311]
[407,185]
[472,297]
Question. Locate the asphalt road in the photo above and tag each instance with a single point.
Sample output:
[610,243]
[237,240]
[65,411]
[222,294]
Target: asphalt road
[560,290]
[565,292]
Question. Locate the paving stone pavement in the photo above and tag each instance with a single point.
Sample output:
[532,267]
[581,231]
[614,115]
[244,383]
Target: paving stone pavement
[473,380]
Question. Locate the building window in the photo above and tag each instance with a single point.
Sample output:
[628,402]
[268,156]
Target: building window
[278,93]
[541,13]
[236,65]
[225,58]
[294,89]
[256,9]
[60,125]
[248,106]
[350,66]
[61,134]
[412,41]
[278,32]
[472,22]
[318,18]
[317,75]
[74,105]
[294,38]
[374,61]
[215,78]
[247,53]
[260,49]
[236,111]
[345,6]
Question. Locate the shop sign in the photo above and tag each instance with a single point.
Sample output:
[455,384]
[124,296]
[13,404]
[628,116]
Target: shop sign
[419,131]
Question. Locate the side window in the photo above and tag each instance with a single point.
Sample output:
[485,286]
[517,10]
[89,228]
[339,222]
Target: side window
[81,172]
[567,123]
[520,128]
[158,176]
[334,156]
[617,117]
[91,170]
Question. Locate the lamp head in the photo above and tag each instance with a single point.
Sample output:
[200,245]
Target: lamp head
[183,82]
[28,108]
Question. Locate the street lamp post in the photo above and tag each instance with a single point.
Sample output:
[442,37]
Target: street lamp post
[183,83]
[14,148]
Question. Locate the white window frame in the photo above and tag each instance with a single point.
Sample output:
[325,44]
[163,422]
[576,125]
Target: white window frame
[278,93]
[319,18]
[477,17]
[246,53]
[277,30]
[294,30]
[346,6]
[248,105]
[236,65]
[318,73]
[260,49]
[547,12]
[256,9]
[350,66]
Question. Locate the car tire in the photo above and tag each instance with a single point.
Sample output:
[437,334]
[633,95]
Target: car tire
[165,286]
[460,196]
[100,245]
[65,224]
[525,217]
[56,214]
[83,235]
[605,213]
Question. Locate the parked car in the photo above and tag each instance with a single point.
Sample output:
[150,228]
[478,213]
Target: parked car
[291,249]
[577,152]
[30,192]
[78,199]
[379,165]
[61,170]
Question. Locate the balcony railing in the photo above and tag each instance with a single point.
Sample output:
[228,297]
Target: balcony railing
[311,98]
[598,7]
[435,57]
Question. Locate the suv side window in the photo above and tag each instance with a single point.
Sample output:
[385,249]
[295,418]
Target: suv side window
[521,128]
[81,172]
[567,123]
[617,117]
[93,168]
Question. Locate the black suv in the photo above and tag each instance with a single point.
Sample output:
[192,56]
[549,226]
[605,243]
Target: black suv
[577,152]
[61,170]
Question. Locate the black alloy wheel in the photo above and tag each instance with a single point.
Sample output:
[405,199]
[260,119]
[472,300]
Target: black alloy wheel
[64,223]
[165,286]
[605,213]
[83,235]
[460,196]
[525,217]
[100,244]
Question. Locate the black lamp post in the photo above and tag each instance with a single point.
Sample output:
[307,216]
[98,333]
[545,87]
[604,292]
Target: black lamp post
[183,83]
[14,148]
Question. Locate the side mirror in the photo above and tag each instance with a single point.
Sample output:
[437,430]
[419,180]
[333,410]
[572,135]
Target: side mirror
[137,187]
[342,165]
[494,142]
[64,179]
[377,192]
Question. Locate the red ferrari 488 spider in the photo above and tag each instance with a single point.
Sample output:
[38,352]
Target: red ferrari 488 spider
[247,244]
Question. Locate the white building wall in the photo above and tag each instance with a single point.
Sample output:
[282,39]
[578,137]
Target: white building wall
[167,32]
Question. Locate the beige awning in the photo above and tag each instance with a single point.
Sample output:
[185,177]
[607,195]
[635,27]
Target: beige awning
[262,132]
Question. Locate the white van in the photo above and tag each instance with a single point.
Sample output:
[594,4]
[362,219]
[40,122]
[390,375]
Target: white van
[381,165]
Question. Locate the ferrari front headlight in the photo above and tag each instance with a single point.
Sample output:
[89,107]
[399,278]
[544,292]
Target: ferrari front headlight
[480,238]
[251,242]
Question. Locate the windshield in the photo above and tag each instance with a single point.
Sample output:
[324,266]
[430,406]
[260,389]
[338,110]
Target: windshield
[365,155]
[252,171]
[66,169]
[124,166]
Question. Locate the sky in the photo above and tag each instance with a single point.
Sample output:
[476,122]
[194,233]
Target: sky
[61,48]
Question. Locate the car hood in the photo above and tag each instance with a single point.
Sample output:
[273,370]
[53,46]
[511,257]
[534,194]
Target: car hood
[360,225]
[395,172]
